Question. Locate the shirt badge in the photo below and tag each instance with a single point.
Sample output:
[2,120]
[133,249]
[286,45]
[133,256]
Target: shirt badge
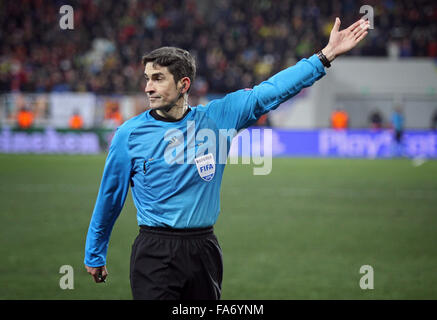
[206,166]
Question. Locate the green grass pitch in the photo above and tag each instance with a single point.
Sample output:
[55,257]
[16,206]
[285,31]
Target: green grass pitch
[301,232]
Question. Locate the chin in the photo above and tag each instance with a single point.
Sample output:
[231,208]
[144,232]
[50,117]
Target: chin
[162,107]
[155,105]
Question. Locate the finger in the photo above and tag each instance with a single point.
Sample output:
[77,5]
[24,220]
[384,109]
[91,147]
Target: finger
[359,33]
[100,274]
[361,37]
[103,274]
[336,25]
[95,277]
[364,26]
[94,273]
[354,25]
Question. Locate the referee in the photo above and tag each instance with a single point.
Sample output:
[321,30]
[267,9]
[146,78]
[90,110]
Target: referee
[176,254]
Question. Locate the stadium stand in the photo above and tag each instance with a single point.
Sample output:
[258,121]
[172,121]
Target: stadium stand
[236,44]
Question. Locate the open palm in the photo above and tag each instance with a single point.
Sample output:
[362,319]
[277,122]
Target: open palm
[343,41]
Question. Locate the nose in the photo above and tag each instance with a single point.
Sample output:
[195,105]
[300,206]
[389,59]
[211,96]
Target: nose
[149,87]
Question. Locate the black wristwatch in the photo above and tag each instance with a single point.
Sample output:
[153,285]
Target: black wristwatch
[323,59]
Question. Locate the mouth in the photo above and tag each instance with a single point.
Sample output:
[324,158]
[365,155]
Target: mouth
[154,98]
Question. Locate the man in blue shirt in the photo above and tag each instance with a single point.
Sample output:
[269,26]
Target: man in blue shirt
[173,157]
[397,122]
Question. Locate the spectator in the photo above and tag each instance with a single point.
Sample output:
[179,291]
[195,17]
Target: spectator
[247,39]
[434,121]
[397,122]
[113,117]
[25,118]
[264,121]
[76,121]
[339,119]
[376,120]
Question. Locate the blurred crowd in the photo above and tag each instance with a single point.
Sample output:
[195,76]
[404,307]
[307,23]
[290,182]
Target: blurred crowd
[237,43]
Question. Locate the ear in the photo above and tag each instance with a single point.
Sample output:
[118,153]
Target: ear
[185,84]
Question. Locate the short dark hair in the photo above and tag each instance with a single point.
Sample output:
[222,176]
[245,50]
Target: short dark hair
[180,63]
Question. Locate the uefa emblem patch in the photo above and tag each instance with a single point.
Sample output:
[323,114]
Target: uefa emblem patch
[206,166]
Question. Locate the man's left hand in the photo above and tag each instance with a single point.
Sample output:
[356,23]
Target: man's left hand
[342,41]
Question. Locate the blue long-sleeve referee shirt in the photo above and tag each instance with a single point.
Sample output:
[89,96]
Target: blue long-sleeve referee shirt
[159,159]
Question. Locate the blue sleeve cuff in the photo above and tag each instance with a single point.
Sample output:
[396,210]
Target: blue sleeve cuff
[314,59]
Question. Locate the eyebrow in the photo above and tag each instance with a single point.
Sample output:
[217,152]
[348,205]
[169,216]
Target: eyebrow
[155,75]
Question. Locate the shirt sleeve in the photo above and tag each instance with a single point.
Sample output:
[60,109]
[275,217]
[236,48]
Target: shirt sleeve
[110,200]
[242,108]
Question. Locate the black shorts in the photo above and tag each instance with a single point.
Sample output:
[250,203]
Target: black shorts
[176,264]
